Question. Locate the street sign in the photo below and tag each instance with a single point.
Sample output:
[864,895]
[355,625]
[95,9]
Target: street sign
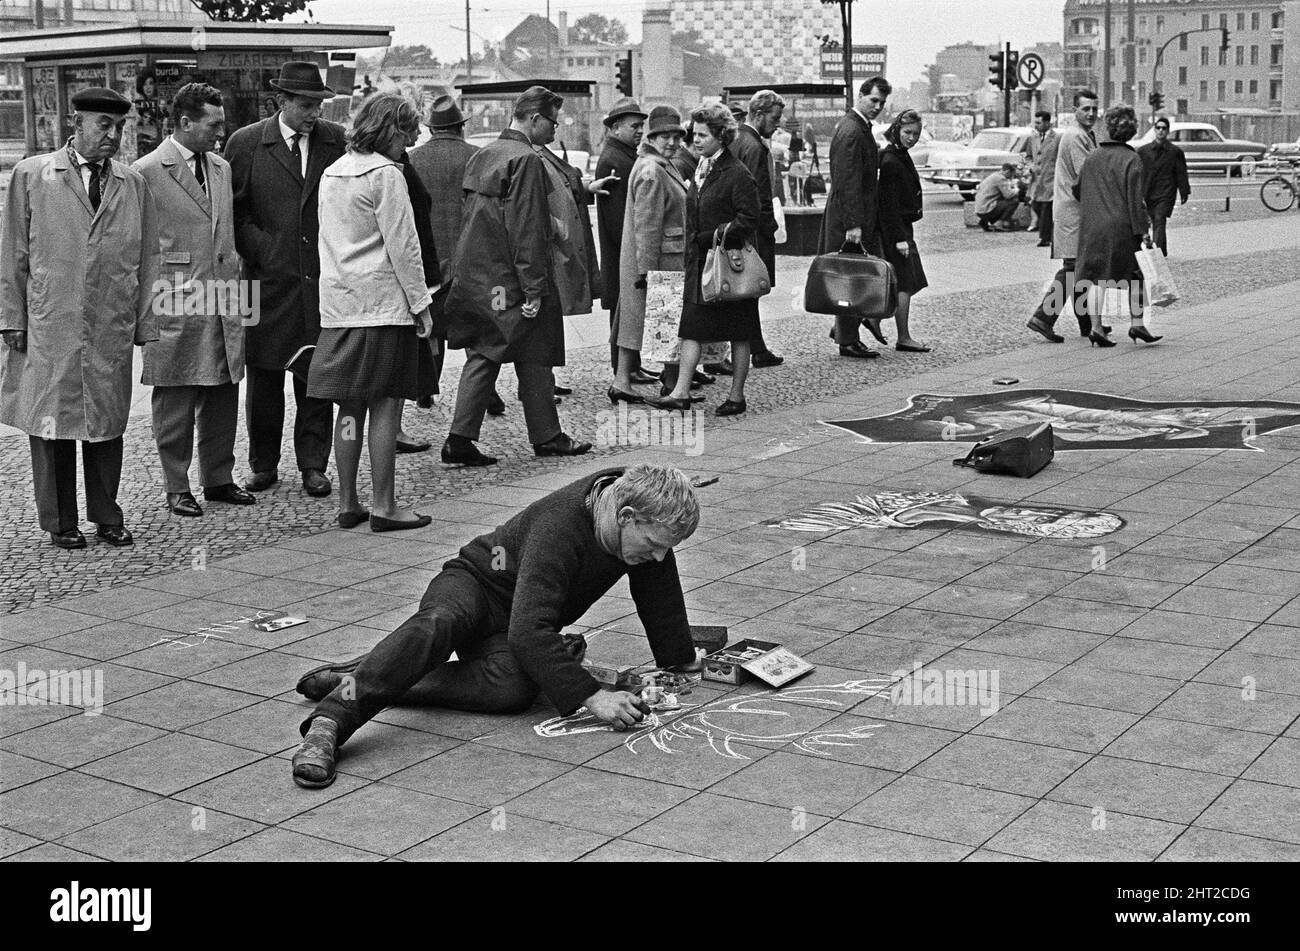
[867,61]
[1031,70]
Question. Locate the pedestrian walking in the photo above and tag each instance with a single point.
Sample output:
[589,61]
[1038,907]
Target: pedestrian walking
[1166,171]
[852,214]
[654,233]
[504,306]
[1043,149]
[722,199]
[1073,147]
[276,166]
[197,361]
[77,272]
[374,305]
[900,209]
[1113,224]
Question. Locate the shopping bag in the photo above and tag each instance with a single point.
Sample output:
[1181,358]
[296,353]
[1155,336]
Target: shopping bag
[1159,278]
[778,211]
[663,316]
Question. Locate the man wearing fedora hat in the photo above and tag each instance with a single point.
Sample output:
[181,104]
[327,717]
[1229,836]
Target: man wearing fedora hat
[276,166]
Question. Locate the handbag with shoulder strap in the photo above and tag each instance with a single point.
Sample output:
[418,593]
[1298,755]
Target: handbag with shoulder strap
[733,273]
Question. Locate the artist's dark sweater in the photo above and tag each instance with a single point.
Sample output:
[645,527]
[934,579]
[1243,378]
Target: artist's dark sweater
[544,568]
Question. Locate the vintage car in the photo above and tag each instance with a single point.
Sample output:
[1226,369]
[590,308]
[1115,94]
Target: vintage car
[1283,153]
[964,168]
[1207,150]
[582,161]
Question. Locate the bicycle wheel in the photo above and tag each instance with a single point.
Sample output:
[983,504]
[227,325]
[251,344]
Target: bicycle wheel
[1277,194]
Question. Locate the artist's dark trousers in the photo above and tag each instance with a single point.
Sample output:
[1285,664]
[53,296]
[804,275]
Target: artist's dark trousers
[1159,212]
[1044,211]
[410,667]
[177,411]
[54,477]
[478,380]
[1049,308]
[1002,211]
[313,426]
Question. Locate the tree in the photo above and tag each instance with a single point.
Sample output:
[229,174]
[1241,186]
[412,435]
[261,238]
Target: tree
[595,28]
[250,10]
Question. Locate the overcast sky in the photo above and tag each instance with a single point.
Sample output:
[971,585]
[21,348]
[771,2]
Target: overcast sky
[912,29]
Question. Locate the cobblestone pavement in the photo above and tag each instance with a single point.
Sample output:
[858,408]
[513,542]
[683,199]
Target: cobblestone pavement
[1148,678]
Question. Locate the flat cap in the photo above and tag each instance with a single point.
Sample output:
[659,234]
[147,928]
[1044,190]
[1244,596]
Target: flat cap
[99,99]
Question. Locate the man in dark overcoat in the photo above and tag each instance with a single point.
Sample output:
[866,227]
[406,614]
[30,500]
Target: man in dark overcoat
[1166,170]
[852,206]
[277,165]
[503,306]
[623,126]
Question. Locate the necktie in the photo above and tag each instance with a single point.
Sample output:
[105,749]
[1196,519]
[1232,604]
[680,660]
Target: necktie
[94,184]
[297,152]
[199,174]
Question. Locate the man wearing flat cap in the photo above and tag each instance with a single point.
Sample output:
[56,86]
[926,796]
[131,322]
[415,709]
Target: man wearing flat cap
[77,269]
[276,165]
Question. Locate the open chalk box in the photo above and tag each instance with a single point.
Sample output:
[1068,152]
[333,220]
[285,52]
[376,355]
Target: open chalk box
[773,664]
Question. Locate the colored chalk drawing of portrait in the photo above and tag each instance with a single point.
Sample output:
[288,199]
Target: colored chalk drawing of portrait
[761,719]
[1081,420]
[953,510]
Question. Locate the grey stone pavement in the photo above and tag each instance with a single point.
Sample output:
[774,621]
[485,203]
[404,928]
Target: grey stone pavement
[1148,710]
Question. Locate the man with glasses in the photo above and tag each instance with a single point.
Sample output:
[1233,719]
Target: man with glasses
[1166,168]
[503,306]
[1074,145]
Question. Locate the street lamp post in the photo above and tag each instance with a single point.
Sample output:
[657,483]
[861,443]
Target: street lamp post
[846,23]
[1160,53]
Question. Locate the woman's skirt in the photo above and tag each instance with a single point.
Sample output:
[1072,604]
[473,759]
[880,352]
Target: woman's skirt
[707,323]
[908,270]
[352,364]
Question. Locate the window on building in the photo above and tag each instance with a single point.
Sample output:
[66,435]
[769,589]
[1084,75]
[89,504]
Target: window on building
[1254,87]
[1241,21]
[1143,24]
[1223,90]
[1142,55]
[1205,56]
[1254,21]
[1182,43]
[1205,90]
[1274,90]
[1238,87]
[570,60]
[1223,57]
[1254,56]
[1182,75]
[1160,24]
[1223,21]
[1275,55]
[1205,21]
[1276,21]
[1181,108]
[1142,92]
[1241,56]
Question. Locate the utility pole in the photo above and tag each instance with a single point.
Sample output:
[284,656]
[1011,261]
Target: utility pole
[1130,56]
[469,56]
[548,34]
[1105,59]
[1008,83]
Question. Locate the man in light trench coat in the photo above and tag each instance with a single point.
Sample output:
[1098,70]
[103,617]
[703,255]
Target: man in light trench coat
[77,269]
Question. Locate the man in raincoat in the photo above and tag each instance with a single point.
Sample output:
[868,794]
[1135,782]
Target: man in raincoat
[77,269]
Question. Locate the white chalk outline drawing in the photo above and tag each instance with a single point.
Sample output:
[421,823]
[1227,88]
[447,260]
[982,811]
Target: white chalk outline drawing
[204,634]
[702,721]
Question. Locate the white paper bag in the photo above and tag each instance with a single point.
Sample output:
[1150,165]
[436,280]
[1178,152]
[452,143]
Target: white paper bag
[663,315]
[1159,277]
[779,211]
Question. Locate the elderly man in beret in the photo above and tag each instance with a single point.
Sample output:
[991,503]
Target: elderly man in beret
[77,271]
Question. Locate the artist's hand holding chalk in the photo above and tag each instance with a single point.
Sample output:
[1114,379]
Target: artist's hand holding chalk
[618,708]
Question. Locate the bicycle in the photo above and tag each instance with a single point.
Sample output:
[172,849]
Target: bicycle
[1281,191]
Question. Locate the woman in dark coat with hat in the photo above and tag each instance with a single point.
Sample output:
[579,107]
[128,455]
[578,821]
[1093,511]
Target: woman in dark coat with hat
[722,195]
[900,208]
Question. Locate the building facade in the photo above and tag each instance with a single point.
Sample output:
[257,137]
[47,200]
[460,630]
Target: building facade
[779,37]
[1259,68]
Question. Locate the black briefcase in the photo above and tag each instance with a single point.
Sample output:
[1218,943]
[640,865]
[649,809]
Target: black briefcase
[1022,451]
[851,284]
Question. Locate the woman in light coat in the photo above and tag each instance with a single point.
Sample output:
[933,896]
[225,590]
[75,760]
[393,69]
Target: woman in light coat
[374,305]
[654,232]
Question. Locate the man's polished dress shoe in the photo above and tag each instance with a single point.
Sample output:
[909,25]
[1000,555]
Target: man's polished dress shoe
[70,539]
[319,682]
[315,483]
[183,503]
[261,481]
[1038,327]
[730,408]
[859,350]
[459,451]
[229,493]
[641,378]
[724,368]
[561,445]
[421,446]
[496,406]
[563,390]
[702,378]
[115,535]
[766,359]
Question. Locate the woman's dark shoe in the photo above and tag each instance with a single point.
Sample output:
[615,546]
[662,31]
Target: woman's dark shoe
[766,359]
[1105,328]
[379,524]
[720,369]
[1141,333]
[403,446]
[1100,340]
[352,519]
[618,396]
[873,328]
[703,378]
[669,402]
[641,378]
[561,445]
[730,408]
[908,348]
[860,350]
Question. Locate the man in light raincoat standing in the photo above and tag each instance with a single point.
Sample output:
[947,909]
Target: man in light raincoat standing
[77,269]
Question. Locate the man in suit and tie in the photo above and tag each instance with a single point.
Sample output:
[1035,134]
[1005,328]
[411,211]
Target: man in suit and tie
[276,165]
[198,360]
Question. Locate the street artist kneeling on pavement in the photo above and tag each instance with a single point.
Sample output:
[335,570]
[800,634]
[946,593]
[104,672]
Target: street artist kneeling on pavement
[501,604]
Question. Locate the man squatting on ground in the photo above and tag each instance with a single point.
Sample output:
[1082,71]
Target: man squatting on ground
[501,604]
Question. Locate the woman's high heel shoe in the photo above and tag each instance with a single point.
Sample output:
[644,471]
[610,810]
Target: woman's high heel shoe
[1100,340]
[616,395]
[1141,333]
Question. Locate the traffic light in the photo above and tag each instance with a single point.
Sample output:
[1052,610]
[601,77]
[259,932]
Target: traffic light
[1012,68]
[624,81]
[997,70]
[1223,47]
[1156,100]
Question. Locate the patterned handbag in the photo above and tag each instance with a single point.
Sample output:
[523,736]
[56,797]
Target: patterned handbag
[733,273]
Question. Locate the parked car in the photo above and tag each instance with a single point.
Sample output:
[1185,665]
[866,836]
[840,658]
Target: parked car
[1207,150]
[965,167]
[1283,153]
[924,149]
[575,157]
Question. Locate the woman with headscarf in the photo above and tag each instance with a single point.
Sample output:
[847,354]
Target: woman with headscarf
[1113,223]
[900,208]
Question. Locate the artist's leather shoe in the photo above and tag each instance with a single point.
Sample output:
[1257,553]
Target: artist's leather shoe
[229,493]
[183,503]
[319,682]
[561,445]
[766,359]
[314,762]
[314,483]
[115,535]
[261,481]
[70,539]
[459,451]
[496,406]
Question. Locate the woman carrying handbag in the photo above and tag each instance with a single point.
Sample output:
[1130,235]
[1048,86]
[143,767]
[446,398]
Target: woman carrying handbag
[722,201]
